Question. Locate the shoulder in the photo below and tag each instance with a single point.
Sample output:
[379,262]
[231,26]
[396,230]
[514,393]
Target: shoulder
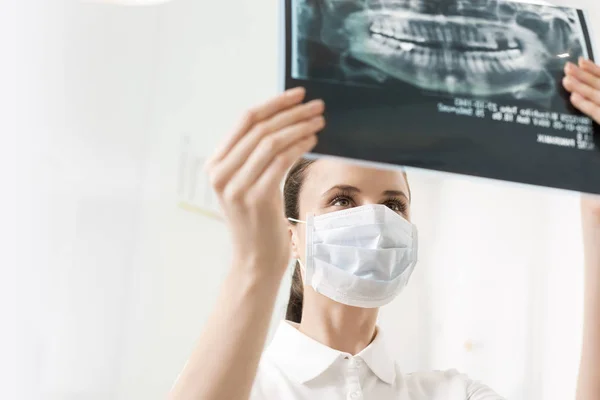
[448,384]
[434,377]
[270,382]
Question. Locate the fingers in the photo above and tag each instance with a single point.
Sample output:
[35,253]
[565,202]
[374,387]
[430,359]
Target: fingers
[271,147]
[590,67]
[291,116]
[233,161]
[271,178]
[575,86]
[583,82]
[583,76]
[255,115]
[586,106]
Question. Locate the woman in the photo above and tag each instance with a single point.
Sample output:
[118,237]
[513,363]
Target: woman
[331,347]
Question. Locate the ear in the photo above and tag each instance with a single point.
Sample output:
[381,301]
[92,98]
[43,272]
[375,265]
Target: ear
[293,240]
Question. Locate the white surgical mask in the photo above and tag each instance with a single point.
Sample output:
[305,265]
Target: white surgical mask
[362,257]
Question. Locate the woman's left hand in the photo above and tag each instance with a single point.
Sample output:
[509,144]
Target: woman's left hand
[583,82]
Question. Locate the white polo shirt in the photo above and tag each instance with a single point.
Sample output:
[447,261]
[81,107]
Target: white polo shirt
[294,366]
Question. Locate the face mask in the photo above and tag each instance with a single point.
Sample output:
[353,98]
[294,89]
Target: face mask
[362,257]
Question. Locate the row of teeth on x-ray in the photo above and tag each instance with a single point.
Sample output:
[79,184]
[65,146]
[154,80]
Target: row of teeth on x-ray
[431,32]
[485,55]
[476,61]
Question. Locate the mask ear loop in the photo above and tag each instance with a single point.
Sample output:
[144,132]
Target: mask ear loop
[297,220]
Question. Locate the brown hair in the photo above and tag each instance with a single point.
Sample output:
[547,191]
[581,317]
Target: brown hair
[291,193]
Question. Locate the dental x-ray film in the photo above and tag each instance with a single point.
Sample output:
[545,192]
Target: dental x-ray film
[467,87]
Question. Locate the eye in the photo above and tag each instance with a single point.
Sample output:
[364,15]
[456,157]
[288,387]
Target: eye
[396,205]
[341,201]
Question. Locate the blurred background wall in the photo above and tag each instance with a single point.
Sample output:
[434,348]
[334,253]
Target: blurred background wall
[119,257]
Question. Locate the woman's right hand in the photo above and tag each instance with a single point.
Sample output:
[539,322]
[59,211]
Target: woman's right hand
[247,170]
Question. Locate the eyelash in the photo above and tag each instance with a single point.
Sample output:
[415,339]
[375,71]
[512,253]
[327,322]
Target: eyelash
[399,203]
[344,195]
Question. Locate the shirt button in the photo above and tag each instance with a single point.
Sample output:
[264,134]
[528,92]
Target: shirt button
[354,395]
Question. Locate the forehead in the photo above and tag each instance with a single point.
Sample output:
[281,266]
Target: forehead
[325,173]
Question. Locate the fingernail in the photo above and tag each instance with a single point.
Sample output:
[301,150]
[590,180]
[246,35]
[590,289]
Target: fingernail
[567,80]
[294,92]
[576,98]
[316,105]
[569,66]
[318,121]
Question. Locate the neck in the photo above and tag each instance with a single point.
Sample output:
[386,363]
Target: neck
[338,326]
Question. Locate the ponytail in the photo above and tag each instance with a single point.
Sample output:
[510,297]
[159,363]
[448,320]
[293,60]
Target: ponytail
[294,307]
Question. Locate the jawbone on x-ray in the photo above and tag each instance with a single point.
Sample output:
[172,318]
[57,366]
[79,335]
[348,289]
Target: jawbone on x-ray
[466,87]
[458,47]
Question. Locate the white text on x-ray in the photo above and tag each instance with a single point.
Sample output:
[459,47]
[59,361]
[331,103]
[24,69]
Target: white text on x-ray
[556,140]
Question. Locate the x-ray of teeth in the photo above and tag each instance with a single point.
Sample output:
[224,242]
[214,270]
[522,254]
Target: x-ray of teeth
[467,87]
[478,48]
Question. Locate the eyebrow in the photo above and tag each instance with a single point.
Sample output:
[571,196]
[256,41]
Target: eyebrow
[396,193]
[348,188]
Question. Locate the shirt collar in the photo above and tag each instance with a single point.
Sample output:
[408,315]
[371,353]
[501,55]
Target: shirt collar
[378,358]
[303,358]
